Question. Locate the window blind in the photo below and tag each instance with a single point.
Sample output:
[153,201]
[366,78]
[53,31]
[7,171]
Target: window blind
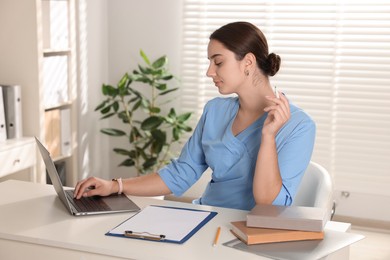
[335,65]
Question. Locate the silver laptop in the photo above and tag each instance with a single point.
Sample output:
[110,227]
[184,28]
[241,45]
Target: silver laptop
[86,205]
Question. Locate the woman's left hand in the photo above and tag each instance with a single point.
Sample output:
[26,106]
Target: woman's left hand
[278,115]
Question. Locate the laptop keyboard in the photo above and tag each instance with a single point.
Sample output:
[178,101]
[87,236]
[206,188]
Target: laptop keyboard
[87,204]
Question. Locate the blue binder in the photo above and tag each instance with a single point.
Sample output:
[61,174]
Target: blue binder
[154,223]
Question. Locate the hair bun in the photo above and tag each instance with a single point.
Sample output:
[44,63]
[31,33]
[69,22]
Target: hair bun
[273,64]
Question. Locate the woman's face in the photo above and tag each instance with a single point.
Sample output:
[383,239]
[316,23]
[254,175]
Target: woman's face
[225,70]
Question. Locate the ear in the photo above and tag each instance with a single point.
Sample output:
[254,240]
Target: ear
[249,61]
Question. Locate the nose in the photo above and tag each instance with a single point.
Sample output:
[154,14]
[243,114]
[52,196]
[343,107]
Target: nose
[210,71]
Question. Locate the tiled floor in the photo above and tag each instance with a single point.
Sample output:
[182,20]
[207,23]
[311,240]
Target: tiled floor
[375,245]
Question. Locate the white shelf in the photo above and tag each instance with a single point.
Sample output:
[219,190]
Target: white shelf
[50,33]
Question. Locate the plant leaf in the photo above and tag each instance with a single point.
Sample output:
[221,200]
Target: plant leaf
[136,105]
[108,115]
[184,117]
[121,151]
[172,113]
[157,147]
[112,132]
[143,55]
[151,123]
[157,73]
[159,135]
[185,127]
[109,90]
[133,154]
[161,86]
[137,93]
[101,105]
[167,77]
[145,103]
[122,82]
[144,71]
[115,106]
[149,163]
[128,162]
[169,120]
[132,100]
[143,79]
[106,109]
[176,133]
[134,134]
[160,62]
[155,110]
[168,91]
[122,115]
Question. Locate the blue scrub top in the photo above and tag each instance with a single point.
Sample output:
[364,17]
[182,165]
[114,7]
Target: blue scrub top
[232,159]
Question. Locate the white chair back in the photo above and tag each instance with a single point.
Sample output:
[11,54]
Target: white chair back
[316,189]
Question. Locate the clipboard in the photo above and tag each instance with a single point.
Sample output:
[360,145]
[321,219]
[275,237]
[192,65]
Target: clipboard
[163,224]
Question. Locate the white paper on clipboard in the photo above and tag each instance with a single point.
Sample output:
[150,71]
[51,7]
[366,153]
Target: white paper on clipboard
[174,223]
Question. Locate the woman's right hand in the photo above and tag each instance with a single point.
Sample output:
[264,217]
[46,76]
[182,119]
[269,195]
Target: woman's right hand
[278,115]
[95,186]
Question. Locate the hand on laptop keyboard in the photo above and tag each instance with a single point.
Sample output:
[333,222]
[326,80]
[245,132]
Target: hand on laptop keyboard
[101,187]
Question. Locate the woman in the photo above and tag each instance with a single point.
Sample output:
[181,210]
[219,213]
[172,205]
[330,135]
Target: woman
[257,144]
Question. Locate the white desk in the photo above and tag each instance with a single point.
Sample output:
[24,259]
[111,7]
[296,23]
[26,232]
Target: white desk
[34,224]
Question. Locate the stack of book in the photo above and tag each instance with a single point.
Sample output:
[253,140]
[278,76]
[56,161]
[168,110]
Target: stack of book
[270,224]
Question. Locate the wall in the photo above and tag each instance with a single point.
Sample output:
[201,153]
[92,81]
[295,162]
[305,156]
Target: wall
[19,57]
[117,30]
[93,64]
[153,26]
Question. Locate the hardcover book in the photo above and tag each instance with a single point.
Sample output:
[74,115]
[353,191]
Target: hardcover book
[288,217]
[251,236]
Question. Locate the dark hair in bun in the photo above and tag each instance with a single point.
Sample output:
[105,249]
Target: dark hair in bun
[272,64]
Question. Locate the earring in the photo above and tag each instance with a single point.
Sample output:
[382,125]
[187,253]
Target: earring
[246,72]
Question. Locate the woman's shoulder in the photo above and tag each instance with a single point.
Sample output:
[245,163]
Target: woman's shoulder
[299,115]
[221,108]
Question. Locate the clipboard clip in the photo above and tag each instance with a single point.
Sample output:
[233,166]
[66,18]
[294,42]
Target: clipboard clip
[144,235]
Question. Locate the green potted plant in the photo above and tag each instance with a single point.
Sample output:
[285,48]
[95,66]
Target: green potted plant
[149,132]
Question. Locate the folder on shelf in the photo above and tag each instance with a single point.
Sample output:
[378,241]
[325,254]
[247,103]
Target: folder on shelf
[53,132]
[12,97]
[3,128]
[163,224]
[66,133]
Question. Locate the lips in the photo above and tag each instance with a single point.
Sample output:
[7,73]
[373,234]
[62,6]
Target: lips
[217,83]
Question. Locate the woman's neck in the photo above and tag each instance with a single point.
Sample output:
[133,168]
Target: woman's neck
[252,98]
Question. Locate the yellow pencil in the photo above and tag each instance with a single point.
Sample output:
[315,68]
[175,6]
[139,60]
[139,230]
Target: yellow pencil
[217,236]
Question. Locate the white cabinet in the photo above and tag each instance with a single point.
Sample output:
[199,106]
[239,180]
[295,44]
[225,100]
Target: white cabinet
[17,155]
[38,52]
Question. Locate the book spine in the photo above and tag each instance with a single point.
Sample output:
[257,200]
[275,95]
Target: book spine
[286,237]
[288,224]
